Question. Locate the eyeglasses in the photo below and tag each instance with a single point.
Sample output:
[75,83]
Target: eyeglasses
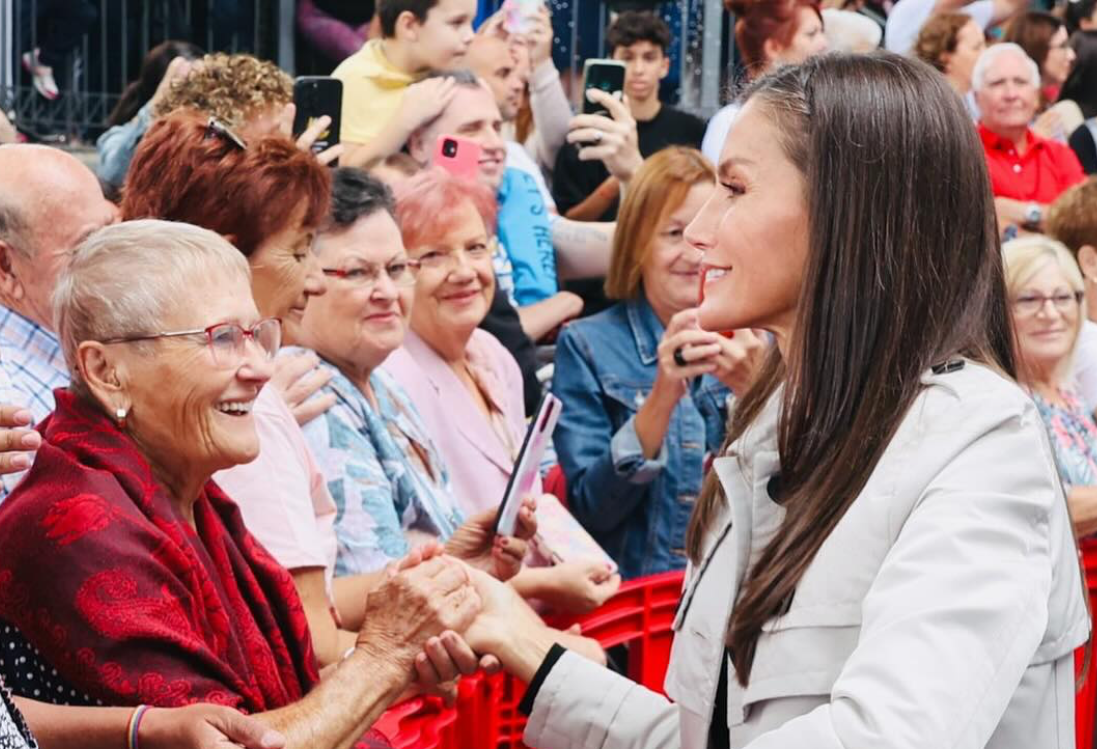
[1065,302]
[217,128]
[366,275]
[446,260]
[226,340]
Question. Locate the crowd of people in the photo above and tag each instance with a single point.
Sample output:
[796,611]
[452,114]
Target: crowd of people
[832,351]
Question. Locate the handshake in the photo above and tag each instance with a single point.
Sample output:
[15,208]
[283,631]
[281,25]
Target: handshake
[442,612]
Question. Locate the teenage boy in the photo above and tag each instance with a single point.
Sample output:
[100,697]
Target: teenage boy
[384,100]
[585,190]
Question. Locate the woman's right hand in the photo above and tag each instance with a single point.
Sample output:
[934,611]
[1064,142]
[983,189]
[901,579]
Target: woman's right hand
[420,598]
[509,628]
[699,349]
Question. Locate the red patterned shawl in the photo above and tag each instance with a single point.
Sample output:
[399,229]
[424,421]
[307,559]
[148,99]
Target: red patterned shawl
[100,572]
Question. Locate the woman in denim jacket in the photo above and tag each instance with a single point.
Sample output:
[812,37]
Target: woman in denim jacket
[645,390]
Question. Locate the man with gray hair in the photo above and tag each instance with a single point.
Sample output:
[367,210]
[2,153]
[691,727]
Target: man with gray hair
[49,203]
[1027,172]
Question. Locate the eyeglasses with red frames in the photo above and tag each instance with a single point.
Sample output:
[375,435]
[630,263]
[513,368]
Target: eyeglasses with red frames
[366,275]
[226,340]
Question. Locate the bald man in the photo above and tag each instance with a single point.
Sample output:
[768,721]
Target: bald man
[49,202]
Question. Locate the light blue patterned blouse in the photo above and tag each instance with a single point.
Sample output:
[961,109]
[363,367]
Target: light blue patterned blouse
[1073,438]
[382,470]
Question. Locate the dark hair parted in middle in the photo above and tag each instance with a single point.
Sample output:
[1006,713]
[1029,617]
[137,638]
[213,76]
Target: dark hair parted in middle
[638,26]
[357,194]
[903,272]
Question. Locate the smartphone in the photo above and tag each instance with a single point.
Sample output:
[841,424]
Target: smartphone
[518,14]
[527,467]
[458,156]
[606,75]
[316,96]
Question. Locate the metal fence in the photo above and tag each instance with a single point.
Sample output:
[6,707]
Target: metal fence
[106,55]
[108,50]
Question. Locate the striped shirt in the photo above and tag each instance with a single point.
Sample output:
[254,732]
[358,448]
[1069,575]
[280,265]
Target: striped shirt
[33,366]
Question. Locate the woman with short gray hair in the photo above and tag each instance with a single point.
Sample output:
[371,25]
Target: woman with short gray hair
[154,591]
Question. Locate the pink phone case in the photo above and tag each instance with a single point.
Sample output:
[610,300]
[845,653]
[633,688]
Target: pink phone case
[458,156]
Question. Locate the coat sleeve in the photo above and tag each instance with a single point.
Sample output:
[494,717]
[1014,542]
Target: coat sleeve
[607,711]
[957,610]
[606,470]
[551,112]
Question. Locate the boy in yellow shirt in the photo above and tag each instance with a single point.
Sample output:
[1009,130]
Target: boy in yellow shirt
[382,102]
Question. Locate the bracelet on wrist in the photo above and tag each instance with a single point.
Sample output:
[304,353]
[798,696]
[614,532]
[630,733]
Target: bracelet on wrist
[134,726]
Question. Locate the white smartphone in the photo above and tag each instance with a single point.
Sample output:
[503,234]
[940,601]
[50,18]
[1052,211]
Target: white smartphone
[528,466]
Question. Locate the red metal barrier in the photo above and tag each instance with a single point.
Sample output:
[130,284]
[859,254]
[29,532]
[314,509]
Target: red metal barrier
[639,616]
[420,723]
[486,715]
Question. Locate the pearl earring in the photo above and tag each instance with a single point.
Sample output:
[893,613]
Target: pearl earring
[120,417]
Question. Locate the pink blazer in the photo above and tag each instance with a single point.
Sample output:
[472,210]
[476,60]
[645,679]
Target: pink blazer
[478,462]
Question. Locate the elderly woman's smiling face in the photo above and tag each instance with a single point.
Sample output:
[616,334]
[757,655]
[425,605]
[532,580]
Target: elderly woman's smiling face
[189,408]
[456,279]
[362,317]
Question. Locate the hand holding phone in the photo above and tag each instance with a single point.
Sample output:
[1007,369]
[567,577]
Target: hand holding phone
[604,75]
[314,97]
[518,15]
[458,156]
[528,466]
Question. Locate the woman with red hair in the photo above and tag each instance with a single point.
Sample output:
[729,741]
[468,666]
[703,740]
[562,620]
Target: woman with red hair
[768,33]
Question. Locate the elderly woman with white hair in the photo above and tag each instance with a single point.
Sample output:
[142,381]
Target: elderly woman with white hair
[1047,292]
[128,577]
[1028,171]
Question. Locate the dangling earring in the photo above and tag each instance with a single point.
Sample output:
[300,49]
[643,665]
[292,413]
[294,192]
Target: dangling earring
[120,418]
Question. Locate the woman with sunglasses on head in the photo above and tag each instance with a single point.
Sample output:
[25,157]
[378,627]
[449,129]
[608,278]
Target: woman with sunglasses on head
[1047,293]
[882,555]
[128,575]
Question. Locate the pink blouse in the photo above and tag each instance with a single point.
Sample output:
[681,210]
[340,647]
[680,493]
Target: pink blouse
[479,460]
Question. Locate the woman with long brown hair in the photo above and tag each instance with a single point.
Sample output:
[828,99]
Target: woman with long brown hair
[883,555]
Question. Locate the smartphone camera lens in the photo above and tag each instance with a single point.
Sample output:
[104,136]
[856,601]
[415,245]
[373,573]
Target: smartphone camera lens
[449,148]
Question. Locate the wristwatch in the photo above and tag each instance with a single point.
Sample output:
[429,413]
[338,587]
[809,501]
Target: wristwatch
[1034,214]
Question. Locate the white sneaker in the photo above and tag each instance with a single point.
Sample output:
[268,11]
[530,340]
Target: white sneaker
[42,75]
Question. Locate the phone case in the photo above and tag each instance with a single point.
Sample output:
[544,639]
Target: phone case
[526,476]
[607,75]
[458,156]
[314,97]
[560,537]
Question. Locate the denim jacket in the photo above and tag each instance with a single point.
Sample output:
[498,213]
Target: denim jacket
[637,509]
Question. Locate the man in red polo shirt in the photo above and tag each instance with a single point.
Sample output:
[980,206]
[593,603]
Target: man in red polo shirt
[1027,172]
